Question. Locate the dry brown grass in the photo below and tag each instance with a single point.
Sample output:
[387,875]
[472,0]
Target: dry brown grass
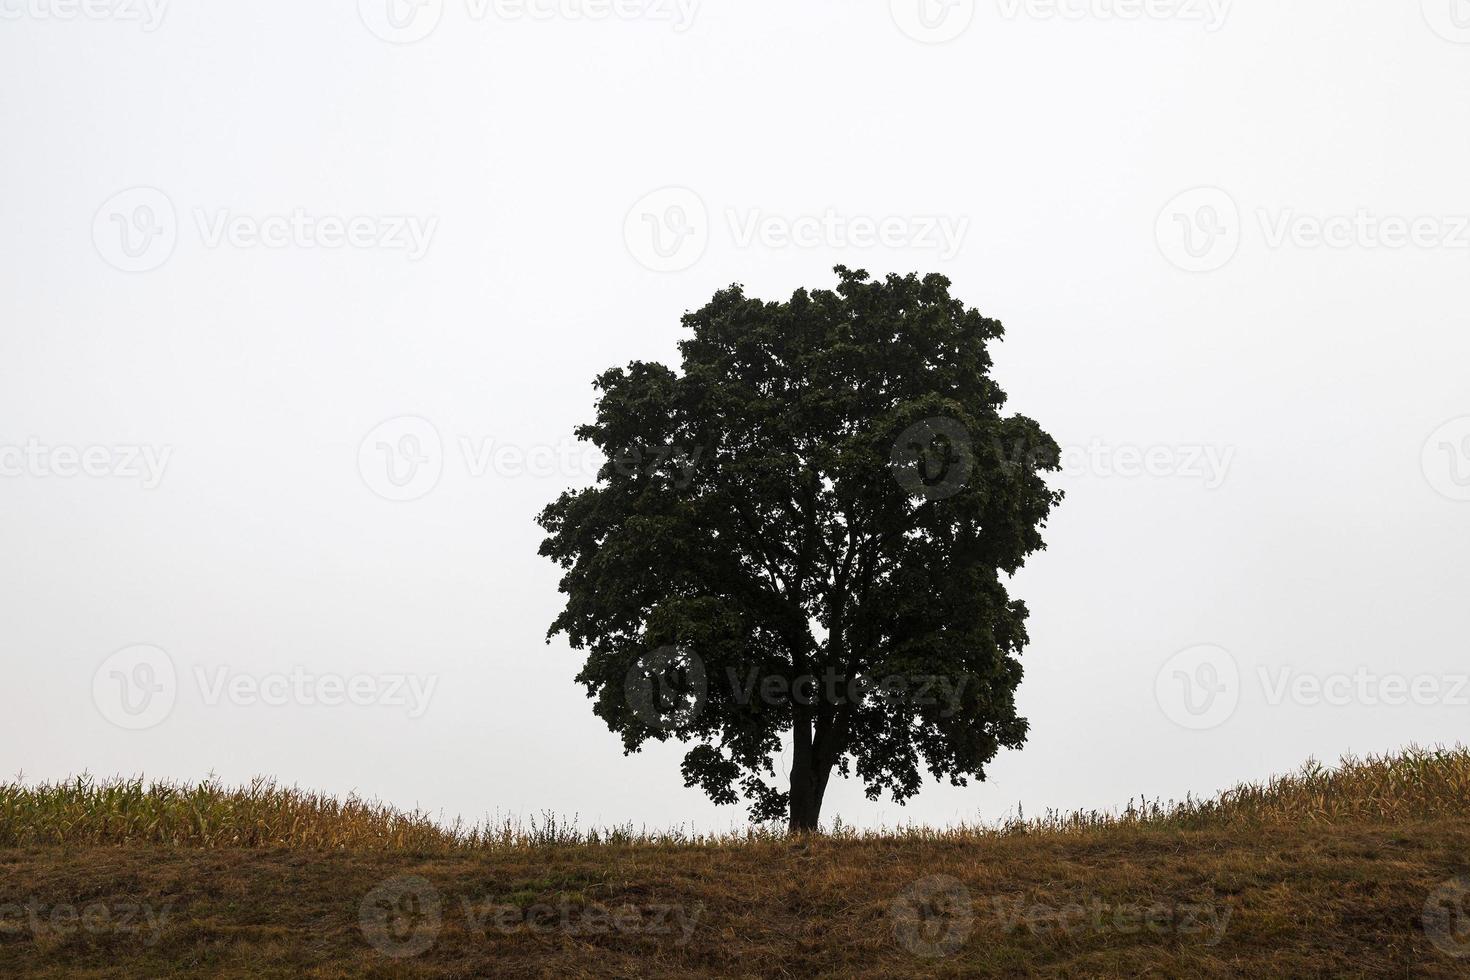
[1350,871]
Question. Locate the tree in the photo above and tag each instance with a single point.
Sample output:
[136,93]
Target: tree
[806,531]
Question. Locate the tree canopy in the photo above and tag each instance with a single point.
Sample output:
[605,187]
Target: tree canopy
[808,528]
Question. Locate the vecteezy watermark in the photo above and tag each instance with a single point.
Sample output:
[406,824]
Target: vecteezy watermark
[668,687]
[936,458]
[1363,229]
[37,460]
[932,21]
[941,234]
[933,458]
[147,14]
[401,21]
[933,917]
[669,230]
[1450,19]
[1206,463]
[301,229]
[404,459]
[408,21]
[137,230]
[571,459]
[1363,687]
[329,690]
[1446,459]
[590,919]
[1097,916]
[47,920]
[835,688]
[677,13]
[136,687]
[402,917]
[1198,687]
[1210,13]
[1201,230]
[1446,917]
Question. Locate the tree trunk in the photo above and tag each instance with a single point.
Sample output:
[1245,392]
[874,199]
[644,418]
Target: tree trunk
[806,805]
[805,816]
[808,781]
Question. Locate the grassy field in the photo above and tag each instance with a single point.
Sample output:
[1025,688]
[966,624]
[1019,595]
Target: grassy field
[1354,870]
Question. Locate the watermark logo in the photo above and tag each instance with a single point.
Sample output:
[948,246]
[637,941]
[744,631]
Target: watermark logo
[1100,917]
[1450,19]
[942,234]
[1363,229]
[148,14]
[591,919]
[402,459]
[50,922]
[668,229]
[300,229]
[933,458]
[38,460]
[300,686]
[1211,13]
[1446,917]
[136,230]
[933,918]
[679,13]
[678,464]
[667,688]
[1208,464]
[932,21]
[136,687]
[1199,688]
[409,21]
[1199,230]
[1363,687]
[1446,459]
[401,917]
[401,21]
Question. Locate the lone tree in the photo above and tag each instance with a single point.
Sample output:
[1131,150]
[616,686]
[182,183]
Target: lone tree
[805,531]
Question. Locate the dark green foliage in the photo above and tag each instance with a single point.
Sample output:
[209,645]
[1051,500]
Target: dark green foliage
[828,491]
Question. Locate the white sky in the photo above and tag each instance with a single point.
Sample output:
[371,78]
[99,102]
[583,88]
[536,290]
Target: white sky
[1063,157]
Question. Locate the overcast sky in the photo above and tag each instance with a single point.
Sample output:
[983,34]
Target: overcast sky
[302,302]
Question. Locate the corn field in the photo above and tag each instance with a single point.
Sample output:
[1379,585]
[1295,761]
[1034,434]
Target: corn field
[1414,784]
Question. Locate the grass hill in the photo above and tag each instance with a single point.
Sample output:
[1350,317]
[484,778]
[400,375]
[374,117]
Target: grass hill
[1361,869]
